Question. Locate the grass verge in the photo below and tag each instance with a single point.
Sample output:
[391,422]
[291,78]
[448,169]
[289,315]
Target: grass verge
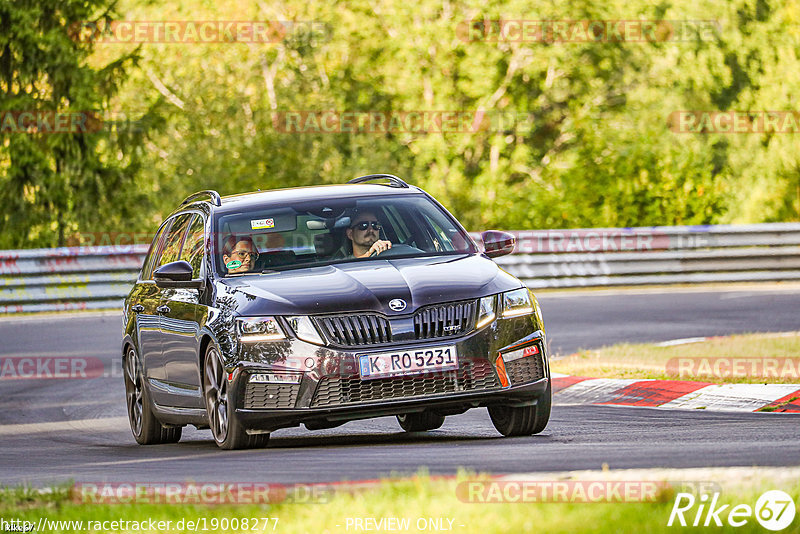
[748,358]
[420,504]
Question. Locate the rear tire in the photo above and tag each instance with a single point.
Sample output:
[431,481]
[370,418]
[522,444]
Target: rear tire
[146,429]
[420,422]
[225,427]
[523,421]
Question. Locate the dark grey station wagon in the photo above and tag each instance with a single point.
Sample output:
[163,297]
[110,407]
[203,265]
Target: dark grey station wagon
[322,305]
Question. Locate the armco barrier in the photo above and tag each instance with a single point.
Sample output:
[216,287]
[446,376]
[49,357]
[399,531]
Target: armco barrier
[78,278]
[655,255]
[100,277]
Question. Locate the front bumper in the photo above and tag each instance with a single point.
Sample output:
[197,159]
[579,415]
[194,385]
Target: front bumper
[331,389]
[448,404]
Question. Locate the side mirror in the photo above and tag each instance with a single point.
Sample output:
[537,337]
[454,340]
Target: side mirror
[176,274]
[496,243]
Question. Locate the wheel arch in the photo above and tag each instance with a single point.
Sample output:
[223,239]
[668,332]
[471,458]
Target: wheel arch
[127,342]
[206,339]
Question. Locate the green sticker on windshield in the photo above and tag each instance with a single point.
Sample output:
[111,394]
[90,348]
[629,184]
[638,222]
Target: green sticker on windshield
[233,264]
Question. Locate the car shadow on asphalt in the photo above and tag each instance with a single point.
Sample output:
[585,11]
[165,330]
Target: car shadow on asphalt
[360,439]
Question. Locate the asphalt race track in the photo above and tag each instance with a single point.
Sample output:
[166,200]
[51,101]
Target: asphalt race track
[57,430]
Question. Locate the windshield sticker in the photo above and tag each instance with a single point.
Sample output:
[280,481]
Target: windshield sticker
[259,224]
[233,264]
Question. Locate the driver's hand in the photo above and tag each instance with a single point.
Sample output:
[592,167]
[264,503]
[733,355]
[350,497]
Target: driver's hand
[378,247]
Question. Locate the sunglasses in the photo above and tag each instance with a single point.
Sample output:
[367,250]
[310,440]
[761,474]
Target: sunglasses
[242,254]
[363,225]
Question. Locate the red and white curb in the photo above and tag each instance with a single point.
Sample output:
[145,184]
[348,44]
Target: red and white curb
[676,394]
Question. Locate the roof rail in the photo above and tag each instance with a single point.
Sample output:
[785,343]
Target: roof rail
[213,195]
[394,181]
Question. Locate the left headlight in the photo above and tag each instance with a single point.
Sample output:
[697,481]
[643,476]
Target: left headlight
[485,311]
[259,329]
[516,303]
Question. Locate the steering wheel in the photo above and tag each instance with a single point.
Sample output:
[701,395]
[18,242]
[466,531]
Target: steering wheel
[398,250]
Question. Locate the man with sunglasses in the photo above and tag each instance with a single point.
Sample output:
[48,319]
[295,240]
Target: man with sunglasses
[364,233]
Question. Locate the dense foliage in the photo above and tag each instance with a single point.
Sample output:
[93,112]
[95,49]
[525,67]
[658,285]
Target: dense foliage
[597,146]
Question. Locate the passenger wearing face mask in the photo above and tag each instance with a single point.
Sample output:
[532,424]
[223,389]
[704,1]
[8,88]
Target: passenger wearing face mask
[239,254]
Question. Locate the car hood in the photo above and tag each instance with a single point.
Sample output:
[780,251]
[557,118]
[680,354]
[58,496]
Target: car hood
[368,285]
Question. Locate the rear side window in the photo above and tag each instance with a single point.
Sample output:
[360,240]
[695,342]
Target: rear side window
[177,233]
[151,260]
[194,245]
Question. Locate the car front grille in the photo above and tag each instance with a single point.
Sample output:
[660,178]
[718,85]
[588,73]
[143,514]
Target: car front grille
[471,376]
[356,330]
[431,322]
[444,320]
[528,369]
[259,395]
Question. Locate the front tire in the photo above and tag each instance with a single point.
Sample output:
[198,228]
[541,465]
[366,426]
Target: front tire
[420,422]
[525,420]
[225,427]
[146,429]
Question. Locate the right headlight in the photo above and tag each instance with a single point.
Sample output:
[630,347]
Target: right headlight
[259,329]
[304,329]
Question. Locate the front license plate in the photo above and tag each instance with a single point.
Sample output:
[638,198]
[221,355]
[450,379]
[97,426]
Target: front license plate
[408,362]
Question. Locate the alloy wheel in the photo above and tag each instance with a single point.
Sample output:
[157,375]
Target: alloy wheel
[215,390]
[133,391]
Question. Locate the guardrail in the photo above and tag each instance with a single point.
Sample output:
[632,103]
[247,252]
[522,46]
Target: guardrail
[99,277]
[655,255]
[59,279]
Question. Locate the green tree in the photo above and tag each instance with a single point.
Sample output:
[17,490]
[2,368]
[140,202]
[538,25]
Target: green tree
[54,184]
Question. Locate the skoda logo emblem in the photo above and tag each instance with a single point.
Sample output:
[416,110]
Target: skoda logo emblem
[397,304]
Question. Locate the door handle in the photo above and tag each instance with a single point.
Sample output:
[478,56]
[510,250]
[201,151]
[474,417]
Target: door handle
[163,309]
[137,308]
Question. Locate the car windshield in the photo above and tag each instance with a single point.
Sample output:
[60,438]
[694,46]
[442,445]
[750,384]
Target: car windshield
[321,232]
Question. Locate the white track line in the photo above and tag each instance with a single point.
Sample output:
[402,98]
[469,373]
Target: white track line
[732,397]
[106,423]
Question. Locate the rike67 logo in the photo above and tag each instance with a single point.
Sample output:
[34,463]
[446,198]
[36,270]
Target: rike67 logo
[774,510]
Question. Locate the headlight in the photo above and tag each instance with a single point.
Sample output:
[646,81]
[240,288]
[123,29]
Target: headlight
[485,311]
[516,303]
[304,329]
[256,329]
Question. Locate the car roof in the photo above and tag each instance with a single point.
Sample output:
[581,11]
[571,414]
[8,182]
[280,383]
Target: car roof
[301,194]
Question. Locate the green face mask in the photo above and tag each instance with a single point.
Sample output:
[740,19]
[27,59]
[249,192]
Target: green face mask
[233,264]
